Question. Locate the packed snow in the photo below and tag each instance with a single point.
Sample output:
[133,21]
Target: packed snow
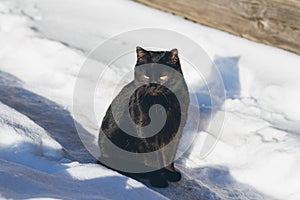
[43,44]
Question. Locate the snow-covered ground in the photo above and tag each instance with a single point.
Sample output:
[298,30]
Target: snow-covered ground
[43,44]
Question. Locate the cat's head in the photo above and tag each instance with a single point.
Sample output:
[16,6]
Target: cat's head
[155,68]
[149,64]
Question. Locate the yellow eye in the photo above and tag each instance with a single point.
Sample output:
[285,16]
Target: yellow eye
[146,77]
[163,78]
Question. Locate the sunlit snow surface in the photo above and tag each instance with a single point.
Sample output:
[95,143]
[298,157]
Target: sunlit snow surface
[43,43]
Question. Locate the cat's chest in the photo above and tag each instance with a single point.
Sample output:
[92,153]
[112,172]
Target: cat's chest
[148,102]
[157,105]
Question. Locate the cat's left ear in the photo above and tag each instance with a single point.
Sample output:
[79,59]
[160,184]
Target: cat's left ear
[174,56]
[142,55]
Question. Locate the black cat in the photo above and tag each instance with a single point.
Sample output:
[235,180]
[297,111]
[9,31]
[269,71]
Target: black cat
[154,71]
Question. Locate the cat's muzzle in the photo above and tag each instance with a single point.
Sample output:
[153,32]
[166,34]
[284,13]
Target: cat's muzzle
[154,91]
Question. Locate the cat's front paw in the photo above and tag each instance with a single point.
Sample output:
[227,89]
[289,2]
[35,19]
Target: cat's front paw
[158,181]
[172,176]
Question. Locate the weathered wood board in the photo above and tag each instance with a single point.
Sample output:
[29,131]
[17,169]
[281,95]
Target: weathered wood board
[272,22]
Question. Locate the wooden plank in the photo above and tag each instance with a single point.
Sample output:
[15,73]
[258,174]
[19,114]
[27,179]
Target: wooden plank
[272,22]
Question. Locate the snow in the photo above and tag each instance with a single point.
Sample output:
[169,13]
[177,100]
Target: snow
[44,43]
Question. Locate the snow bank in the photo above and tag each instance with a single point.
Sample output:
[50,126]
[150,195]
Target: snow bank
[20,138]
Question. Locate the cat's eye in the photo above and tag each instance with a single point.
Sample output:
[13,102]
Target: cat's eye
[163,78]
[146,77]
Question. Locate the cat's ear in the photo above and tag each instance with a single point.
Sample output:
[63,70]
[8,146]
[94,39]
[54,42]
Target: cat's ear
[174,56]
[142,55]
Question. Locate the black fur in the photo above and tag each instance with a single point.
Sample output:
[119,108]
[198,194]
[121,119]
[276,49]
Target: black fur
[151,92]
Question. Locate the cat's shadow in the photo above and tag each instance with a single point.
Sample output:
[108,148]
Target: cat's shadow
[218,178]
[207,101]
[229,72]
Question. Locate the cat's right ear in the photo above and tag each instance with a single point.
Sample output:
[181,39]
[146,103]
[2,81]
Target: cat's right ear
[142,55]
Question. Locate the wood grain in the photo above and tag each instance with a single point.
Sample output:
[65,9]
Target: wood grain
[272,22]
